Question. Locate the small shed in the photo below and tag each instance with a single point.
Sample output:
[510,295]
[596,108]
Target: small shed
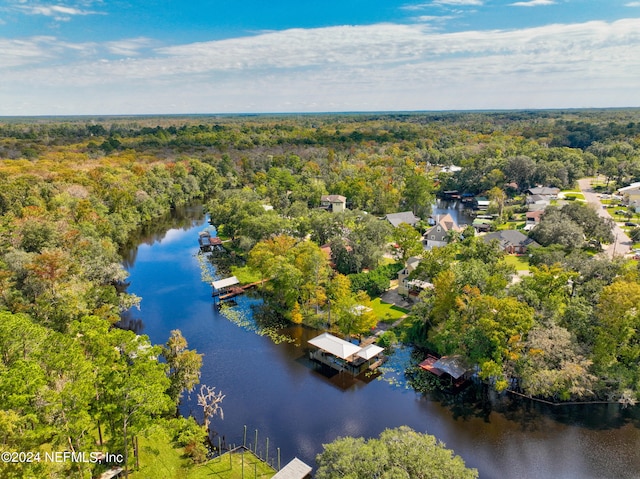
[295,469]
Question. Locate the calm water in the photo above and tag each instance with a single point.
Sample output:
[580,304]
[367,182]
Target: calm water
[273,387]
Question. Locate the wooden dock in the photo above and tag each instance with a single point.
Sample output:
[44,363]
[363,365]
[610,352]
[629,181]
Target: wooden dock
[237,291]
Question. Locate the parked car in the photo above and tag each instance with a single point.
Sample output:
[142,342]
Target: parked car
[620,212]
[631,223]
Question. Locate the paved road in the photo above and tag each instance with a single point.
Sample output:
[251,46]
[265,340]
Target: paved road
[622,244]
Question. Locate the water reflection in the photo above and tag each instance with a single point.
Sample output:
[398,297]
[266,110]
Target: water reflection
[180,218]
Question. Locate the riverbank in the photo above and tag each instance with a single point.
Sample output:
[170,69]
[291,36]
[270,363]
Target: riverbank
[276,389]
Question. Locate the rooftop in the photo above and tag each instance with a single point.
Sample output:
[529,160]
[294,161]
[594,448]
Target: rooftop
[404,217]
[510,237]
[334,345]
[225,283]
[295,469]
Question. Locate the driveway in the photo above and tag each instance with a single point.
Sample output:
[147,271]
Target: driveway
[622,243]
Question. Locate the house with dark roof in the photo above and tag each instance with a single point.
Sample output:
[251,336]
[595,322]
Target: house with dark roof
[511,241]
[404,217]
[544,191]
[436,236]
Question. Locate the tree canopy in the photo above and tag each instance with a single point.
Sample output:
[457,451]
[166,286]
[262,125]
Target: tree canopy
[397,453]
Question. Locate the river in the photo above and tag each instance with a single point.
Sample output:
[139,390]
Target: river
[274,388]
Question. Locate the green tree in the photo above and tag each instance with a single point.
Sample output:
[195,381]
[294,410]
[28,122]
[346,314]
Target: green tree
[617,348]
[397,453]
[184,365]
[418,195]
[552,366]
[408,241]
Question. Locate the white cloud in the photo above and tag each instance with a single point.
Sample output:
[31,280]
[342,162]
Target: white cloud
[56,11]
[459,2]
[418,6]
[433,18]
[40,50]
[375,67]
[129,47]
[632,4]
[533,3]
[455,3]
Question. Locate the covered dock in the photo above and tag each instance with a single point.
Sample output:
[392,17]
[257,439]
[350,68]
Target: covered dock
[452,366]
[222,285]
[228,288]
[345,356]
[208,242]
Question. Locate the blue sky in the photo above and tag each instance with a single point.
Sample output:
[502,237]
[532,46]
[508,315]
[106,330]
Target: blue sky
[233,56]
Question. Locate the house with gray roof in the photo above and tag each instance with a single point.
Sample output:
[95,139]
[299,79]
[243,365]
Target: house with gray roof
[404,217]
[511,241]
[544,190]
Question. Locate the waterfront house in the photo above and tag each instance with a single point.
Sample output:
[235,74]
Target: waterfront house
[437,235]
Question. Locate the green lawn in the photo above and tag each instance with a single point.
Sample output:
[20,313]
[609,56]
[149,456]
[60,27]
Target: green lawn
[576,195]
[521,263]
[387,312]
[160,460]
[511,225]
[245,274]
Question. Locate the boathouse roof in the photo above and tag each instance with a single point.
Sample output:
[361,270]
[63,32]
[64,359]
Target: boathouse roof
[334,345]
[370,351]
[295,469]
[225,283]
[452,365]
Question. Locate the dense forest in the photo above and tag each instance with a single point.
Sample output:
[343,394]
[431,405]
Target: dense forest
[74,190]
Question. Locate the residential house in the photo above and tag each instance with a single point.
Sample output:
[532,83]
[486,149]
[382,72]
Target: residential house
[533,218]
[404,217]
[412,264]
[333,203]
[631,195]
[511,241]
[538,200]
[550,192]
[437,235]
